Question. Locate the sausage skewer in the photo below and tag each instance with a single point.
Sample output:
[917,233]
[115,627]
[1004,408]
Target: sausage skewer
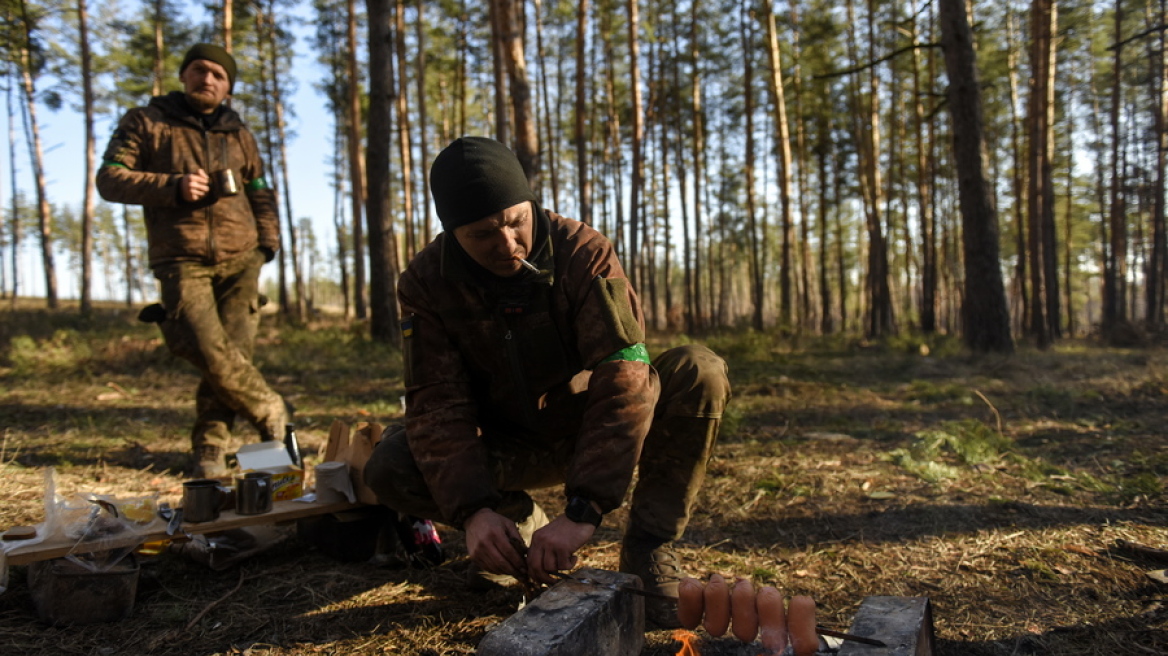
[743,611]
[717,598]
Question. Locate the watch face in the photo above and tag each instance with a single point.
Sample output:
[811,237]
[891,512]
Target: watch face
[580,510]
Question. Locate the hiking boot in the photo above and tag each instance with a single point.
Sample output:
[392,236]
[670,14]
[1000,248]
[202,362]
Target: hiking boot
[479,580]
[654,562]
[209,463]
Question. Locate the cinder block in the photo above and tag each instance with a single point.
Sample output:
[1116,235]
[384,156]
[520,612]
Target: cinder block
[904,624]
[575,618]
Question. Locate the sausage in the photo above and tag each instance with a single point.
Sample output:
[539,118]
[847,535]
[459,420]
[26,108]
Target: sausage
[801,624]
[717,599]
[743,612]
[690,602]
[772,620]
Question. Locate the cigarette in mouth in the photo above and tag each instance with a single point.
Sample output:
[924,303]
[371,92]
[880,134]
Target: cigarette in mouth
[528,265]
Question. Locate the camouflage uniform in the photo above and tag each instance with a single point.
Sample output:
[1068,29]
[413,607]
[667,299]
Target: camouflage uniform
[508,389]
[206,254]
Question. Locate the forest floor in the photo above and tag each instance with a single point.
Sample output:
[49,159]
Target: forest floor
[1007,490]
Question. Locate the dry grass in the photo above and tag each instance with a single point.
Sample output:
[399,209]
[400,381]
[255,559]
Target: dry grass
[843,472]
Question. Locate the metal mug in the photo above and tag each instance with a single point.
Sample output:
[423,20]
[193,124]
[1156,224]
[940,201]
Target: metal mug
[203,498]
[253,493]
[225,183]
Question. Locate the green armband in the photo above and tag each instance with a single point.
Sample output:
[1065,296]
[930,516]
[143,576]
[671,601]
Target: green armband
[635,353]
[109,163]
[258,184]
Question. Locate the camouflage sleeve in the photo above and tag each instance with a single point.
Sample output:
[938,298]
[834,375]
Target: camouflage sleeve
[621,397]
[441,416]
[621,393]
[261,195]
[126,174]
[608,314]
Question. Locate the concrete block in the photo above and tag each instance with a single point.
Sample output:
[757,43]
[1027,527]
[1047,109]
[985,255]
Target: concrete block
[904,624]
[574,618]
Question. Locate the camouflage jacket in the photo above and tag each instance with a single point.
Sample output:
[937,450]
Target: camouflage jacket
[522,359]
[148,154]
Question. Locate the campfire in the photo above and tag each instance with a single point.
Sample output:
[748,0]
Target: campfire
[689,642]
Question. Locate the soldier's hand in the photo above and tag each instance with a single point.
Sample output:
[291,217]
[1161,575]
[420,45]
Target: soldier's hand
[553,548]
[490,542]
[193,186]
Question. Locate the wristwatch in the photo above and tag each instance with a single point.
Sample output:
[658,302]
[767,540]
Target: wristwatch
[581,511]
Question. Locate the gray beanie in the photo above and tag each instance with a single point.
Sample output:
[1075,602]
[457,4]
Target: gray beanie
[475,177]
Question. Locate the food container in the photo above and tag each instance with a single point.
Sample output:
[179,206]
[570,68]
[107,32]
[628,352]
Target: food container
[272,457]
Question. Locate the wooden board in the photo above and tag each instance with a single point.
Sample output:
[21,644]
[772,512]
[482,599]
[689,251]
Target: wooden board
[282,511]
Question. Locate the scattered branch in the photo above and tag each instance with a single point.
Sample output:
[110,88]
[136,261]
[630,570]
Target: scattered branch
[208,607]
[997,415]
[877,62]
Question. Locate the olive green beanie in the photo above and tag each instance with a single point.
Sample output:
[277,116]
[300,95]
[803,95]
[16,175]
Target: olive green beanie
[475,177]
[213,53]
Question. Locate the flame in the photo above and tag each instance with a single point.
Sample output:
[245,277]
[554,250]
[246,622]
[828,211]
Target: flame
[689,643]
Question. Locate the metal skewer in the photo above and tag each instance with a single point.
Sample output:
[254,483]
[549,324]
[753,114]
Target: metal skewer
[824,631]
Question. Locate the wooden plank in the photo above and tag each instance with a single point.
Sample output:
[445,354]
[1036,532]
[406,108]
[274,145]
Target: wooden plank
[282,511]
[903,624]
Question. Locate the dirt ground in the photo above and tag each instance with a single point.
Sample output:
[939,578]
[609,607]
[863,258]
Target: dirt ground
[1014,492]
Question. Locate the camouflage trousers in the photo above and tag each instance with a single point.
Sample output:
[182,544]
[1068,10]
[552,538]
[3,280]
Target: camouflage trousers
[212,314]
[670,472]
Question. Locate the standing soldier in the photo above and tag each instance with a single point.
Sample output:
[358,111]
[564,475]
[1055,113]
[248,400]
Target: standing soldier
[526,368]
[211,223]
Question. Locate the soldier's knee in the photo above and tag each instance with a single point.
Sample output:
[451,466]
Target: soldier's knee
[391,471]
[694,380]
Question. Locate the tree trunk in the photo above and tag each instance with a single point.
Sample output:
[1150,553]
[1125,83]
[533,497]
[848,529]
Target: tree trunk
[423,127]
[638,136]
[356,165]
[36,154]
[986,318]
[15,230]
[383,323]
[495,9]
[159,49]
[583,180]
[1049,232]
[823,149]
[404,142]
[699,153]
[300,308]
[1115,269]
[1154,293]
[549,138]
[756,288]
[806,313]
[228,27]
[783,147]
[928,302]
[86,304]
[1021,294]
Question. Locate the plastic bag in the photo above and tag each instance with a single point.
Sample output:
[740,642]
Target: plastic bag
[103,528]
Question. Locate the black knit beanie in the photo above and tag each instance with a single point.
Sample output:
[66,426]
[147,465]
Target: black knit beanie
[214,53]
[475,177]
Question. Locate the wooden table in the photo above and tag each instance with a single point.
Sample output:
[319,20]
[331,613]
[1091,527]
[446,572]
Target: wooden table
[282,511]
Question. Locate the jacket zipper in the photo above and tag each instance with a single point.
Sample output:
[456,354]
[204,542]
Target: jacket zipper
[210,209]
[513,356]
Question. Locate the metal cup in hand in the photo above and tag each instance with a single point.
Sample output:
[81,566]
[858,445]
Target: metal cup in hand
[225,182]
